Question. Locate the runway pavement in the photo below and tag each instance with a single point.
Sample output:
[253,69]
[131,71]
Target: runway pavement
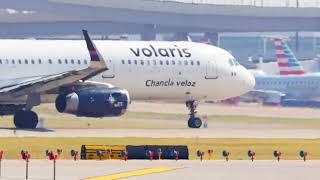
[218,132]
[158,170]
[227,110]
[175,128]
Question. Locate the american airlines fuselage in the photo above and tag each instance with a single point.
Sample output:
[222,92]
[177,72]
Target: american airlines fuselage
[298,87]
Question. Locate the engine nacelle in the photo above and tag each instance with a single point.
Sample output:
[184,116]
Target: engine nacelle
[94,102]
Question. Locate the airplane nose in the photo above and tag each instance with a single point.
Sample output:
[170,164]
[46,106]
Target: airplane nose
[250,81]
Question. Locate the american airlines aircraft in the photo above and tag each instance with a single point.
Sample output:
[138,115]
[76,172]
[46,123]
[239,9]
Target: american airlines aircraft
[90,79]
[292,82]
[287,62]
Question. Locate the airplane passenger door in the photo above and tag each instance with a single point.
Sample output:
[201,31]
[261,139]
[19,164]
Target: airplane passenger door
[110,73]
[211,70]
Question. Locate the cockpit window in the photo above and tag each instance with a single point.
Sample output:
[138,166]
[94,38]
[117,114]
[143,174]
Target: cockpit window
[231,62]
[236,62]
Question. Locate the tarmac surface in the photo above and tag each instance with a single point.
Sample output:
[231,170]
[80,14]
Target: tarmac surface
[222,170]
[194,169]
[220,109]
[227,131]
[175,128]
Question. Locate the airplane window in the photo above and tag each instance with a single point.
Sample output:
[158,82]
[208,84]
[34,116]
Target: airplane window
[7,61]
[59,61]
[186,63]
[19,61]
[135,62]
[142,62]
[198,63]
[154,62]
[148,62]
[66,61]
[161,63]
[167,62]
[39,61]
[0,61]
[180,63]
[129,61]
[85,62]
[13,62]
[72,61]
[173,62]
[191,63]
[79,62]
[32,61]
[123,62]
[50,61]
[26,61]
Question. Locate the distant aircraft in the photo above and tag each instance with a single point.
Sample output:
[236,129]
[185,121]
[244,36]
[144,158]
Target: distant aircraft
[287,62]
[292,83]
[82,77]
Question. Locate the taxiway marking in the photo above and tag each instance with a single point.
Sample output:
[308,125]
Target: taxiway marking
[134,173]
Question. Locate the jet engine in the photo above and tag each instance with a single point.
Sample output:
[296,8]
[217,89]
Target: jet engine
[94,102]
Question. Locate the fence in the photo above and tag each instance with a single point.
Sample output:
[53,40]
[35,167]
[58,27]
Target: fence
[257,3]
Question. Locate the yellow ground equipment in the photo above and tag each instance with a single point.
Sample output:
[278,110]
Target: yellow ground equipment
[105,152]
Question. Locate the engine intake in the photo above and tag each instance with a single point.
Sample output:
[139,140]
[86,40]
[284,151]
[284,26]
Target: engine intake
[94,102]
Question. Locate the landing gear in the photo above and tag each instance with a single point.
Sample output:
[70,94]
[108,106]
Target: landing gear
[25,119]
[193,122]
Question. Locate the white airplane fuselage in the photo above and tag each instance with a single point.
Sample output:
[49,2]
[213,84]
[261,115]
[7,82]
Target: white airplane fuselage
[147,70]
[298,87]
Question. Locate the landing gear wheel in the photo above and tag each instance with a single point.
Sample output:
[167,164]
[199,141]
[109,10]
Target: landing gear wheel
[193,122]
[190,123]
[25,119]
[197,123]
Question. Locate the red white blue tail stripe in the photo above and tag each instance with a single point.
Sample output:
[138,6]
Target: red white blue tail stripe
[287,62]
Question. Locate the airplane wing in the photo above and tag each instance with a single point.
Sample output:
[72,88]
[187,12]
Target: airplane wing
[40,84]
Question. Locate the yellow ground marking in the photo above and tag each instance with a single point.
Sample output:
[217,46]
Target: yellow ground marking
[134,173]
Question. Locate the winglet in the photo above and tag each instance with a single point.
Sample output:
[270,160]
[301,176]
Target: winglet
[97,60]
